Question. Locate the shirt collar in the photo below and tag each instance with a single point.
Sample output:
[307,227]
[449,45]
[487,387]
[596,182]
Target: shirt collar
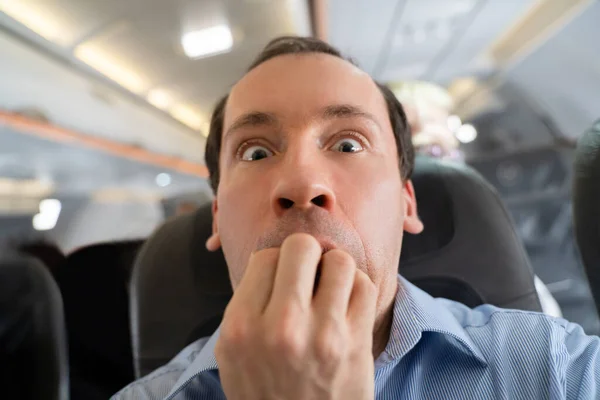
[415,312]
[204,361]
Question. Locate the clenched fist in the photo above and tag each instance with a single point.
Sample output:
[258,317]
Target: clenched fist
[282,339]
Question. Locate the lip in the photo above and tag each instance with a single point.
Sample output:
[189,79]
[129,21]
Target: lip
[276,240]
[326,245]
[325,248]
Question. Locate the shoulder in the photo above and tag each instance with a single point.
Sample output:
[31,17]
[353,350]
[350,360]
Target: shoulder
[502,332]
[488,320]
[160,382]
[487,316]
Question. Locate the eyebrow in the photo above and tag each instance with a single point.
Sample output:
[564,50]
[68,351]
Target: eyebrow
[256,119]
[252,120]
[344,111]
[340,111]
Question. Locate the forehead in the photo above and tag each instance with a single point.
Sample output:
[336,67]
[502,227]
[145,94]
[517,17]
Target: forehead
[299,84]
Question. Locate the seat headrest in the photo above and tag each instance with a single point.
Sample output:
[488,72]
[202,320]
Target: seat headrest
[119,256]
[33,346]
[468,252]
[186,286]
[586,205]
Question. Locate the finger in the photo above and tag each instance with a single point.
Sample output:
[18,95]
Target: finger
[295,278]
[255,288]
[362,305]
[335,286]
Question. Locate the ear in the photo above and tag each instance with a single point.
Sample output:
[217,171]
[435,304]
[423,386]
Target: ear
[213,243]
[412,222]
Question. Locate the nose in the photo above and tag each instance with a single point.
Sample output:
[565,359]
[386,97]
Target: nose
[302,186]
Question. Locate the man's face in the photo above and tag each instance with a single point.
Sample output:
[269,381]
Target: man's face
[308,147]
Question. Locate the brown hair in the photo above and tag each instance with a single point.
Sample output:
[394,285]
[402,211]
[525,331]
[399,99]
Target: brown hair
[298,45]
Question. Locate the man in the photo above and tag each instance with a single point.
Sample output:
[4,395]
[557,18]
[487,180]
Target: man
[310,161]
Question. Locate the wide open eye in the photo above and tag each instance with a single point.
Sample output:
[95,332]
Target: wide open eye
[255,153]
[347,145]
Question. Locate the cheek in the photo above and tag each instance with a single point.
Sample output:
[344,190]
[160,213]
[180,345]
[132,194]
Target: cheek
[383,212]
[241,197]
[373,189]
[241,212]
[375,205]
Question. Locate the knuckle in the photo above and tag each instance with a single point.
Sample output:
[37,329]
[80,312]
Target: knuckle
[288,315]
[287,340]
[222,352]
[331,345]
[235,333]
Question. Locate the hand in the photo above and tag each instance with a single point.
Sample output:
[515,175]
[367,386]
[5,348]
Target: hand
[278,341]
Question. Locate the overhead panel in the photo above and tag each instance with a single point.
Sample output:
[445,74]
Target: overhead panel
[64,22]
[359,28]
[543,19]
[565,88]
[137,45]
[419,35]
[464,53]
[123,55]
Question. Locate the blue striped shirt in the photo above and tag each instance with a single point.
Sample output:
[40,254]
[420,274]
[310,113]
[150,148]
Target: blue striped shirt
[438,349]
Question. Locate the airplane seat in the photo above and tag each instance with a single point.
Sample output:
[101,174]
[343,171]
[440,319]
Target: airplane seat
[178,290]
[94,284]
[33,343]
[469,252]
[586,205]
